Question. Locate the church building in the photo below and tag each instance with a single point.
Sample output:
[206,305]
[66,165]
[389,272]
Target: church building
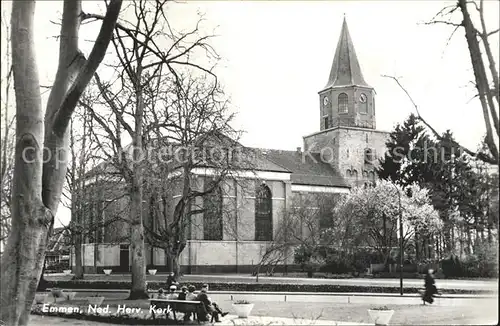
[343,153]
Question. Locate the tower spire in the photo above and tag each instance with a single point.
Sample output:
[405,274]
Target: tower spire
[346,70]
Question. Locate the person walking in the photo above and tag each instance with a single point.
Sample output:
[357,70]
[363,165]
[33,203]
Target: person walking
[430,287]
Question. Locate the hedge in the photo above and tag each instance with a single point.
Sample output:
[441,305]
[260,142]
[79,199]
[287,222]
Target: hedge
[254,287]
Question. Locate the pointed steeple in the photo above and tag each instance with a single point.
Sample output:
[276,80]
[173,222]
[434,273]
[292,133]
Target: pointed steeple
[346,70]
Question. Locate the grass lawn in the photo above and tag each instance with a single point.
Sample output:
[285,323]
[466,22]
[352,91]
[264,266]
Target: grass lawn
[482,312]
[404,314]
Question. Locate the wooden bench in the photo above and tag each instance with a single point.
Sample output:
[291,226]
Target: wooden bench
[197,308]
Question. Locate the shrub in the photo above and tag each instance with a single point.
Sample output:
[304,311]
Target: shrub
[482,263]
[57,267]
[452,267]
[341,262]
[302,256]
[487,259]
[337,263]
[252,286]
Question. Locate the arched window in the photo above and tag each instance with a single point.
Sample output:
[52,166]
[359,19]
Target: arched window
[355,174]
[263,214]
[212,217]
[369,156]
[343,103]
[348,173]
[372,176]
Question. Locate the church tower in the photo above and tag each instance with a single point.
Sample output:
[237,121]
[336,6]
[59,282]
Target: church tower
[348,138]
[347,100]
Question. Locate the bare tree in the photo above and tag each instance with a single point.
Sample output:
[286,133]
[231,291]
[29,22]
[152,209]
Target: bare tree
[198,136]
[302,228]
[281,249]
[81,161]
[486,78]
[6,140]
[84,191]
[37,186]
[143,68]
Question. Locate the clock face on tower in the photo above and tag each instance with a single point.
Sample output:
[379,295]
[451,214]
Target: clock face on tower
[362,98]
[325,101]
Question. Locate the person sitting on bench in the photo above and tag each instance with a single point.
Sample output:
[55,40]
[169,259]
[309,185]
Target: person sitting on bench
[161,294]
[191,296]
[212,307]
[172,295]
[183,294]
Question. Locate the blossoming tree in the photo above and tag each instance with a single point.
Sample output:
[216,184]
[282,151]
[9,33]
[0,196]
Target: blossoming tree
[375,212]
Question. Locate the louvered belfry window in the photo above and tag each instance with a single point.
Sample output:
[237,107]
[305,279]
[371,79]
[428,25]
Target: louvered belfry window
[263,214]
[343,102]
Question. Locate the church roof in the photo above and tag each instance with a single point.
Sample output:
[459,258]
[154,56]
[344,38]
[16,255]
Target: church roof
[346,70]
[305,169]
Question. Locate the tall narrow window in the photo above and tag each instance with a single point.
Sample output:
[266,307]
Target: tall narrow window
[263,214]
[343,103]
[363,103]
[212,219]
[325,119]
[92,220]
[99,221]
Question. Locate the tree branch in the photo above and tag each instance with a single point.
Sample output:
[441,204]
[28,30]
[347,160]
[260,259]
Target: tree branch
[63,115]
[479,155]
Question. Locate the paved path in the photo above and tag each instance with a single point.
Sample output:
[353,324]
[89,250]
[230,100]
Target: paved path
[230,320]
[233,278]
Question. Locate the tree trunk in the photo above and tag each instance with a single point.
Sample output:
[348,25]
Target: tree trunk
[42,283]
[448,237]
[37,186]
[78,259]
[24,254]
[417,246]
[176,267]
[469,241]
[482,84]
[139,287]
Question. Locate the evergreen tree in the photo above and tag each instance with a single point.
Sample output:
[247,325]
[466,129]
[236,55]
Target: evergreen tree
[457,191]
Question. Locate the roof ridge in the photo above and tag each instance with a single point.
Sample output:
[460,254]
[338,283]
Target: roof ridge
[271,160]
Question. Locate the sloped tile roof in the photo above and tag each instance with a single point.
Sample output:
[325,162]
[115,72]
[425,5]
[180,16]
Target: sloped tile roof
[305,170]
